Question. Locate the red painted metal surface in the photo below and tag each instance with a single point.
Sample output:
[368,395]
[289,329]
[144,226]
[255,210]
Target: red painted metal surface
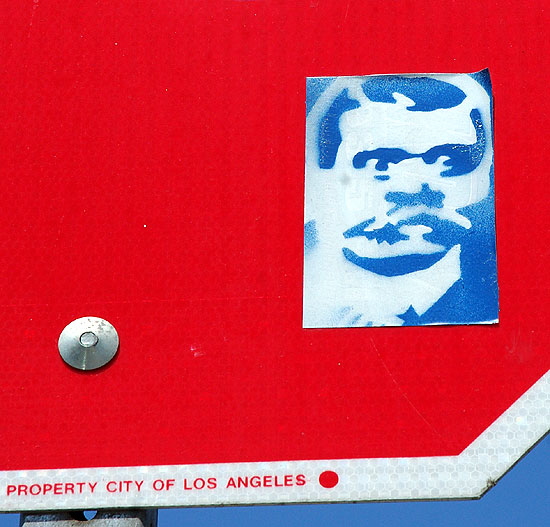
[152,161]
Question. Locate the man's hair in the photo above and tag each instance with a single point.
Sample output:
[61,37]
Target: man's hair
[427,94]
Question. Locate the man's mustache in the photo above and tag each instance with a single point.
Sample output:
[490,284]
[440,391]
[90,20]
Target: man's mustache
[444,232]
[427,197]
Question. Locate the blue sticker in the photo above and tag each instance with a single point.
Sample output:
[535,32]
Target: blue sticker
[399,204]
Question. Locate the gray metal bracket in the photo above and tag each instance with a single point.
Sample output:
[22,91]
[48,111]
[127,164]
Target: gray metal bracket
[122,518]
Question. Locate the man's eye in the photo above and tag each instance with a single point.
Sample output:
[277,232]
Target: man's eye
[383,157]
[432,155]
[461,159]
[382,165]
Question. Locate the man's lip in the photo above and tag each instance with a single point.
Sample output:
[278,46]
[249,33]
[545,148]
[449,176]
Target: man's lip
[396,265]
[359,229]
[410,244]
[443,232]
[389,233]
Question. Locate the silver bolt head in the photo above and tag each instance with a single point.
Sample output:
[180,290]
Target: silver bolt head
[88,343]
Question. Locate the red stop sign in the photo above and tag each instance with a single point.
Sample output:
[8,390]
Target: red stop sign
[152,163]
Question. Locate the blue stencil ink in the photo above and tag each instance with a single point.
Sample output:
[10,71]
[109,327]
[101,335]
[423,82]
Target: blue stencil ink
[329,132]
[462,158]
[310,236]
[426,93]
[399,201]
[315,87]
[426,196]
[388,233]
[410,317]
[393,265]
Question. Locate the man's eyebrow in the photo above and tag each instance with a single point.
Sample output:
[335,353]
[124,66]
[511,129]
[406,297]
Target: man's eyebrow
[463,159]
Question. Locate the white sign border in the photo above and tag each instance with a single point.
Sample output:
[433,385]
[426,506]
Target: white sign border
[467,475]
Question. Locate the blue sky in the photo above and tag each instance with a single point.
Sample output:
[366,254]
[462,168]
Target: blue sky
[521,498]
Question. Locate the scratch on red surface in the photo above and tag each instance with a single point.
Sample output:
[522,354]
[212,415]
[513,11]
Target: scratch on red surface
[144,301]
[404,395]
[346,14]
[35,5]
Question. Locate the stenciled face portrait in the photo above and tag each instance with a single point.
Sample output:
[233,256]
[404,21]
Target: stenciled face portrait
[396,167]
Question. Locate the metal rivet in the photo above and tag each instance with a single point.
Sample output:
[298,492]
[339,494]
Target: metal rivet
[88,343]
[88,339]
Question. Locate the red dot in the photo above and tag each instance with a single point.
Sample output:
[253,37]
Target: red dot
[328,479]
